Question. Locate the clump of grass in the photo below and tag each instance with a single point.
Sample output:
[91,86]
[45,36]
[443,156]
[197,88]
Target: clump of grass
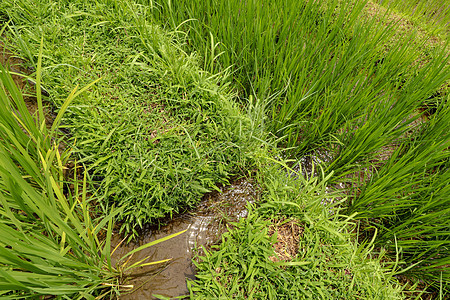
[327,264]
[157,132]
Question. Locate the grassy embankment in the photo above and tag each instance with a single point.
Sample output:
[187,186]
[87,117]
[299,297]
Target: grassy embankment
[316,78]
[156,132]
[51,245]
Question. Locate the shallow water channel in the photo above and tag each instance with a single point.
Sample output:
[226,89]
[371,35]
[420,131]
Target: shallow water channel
[204,227]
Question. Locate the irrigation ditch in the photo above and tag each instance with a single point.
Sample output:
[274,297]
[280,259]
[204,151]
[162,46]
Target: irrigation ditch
[204,226]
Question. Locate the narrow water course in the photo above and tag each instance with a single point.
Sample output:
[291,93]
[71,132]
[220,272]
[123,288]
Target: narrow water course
[204,227]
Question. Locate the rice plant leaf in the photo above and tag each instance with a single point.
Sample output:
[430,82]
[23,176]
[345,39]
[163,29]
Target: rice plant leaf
[152,243]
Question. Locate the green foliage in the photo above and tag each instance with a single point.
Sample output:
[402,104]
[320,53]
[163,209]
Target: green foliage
[407,199]
[51,245]
[156,132]
[328,264]
[49,241]
[331,78]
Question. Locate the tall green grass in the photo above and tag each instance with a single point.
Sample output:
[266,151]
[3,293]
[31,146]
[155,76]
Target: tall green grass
[323,64]
[407,199]
[335,80]
[43,234]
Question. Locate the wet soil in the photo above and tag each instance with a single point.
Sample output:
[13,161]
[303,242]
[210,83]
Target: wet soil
[204,228]
[19,73]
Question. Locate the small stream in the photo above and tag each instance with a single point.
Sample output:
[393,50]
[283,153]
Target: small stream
[204,227]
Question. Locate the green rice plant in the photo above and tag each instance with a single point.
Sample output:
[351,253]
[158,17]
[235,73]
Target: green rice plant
[407,200]
[389,120]
[326,63]
[51,244]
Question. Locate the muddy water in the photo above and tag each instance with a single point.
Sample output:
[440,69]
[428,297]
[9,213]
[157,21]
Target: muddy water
[204,228]
[308,165]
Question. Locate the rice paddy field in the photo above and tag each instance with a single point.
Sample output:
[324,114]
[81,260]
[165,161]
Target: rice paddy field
[117,116]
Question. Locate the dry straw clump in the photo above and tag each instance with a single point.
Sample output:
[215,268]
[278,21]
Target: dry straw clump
[288,236]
